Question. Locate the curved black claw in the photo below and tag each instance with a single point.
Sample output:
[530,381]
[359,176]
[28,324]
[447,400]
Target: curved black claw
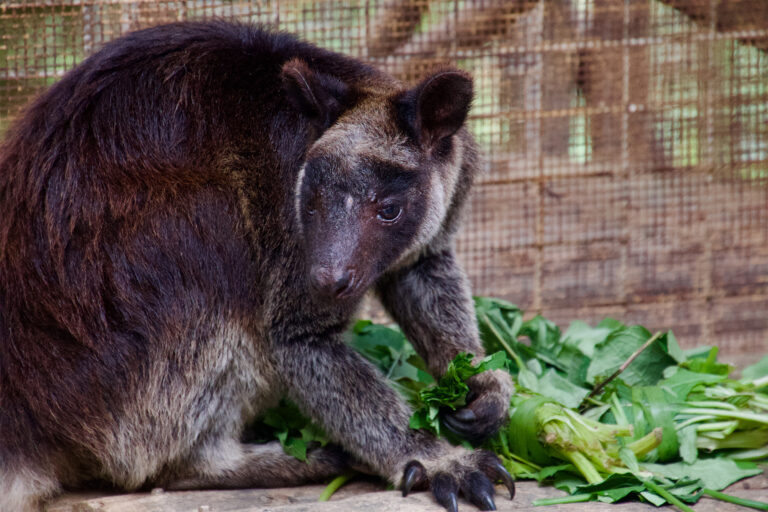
[465,414]
[413,474]
[488,503]
[495,470]
[463,424]
[478,489]
[502,474]
[445,489]
[476,423]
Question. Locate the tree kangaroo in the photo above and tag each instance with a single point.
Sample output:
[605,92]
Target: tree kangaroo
[188,220]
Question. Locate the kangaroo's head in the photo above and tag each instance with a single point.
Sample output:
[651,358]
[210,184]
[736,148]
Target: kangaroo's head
[377,183]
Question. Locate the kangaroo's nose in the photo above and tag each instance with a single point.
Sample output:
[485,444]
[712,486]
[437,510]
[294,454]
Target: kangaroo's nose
[332,281]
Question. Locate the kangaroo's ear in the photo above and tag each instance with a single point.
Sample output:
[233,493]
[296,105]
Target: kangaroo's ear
[319,97]
[437,107]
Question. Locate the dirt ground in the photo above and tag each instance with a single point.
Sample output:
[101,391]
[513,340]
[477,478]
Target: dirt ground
[362,496]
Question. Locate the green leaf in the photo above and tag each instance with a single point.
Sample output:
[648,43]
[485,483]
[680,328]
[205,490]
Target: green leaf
[682,381]
[360,325]
[494,361]
[405,370]
[687,490]
[757,370]
[657,411]
[534,365]
[614,487]
[523,432]
[646,369]
[577,348]
[544,335]
[296,447]
[451,389]
[697,352]
[509,311]
[653,499]
[567,481]
[526,379]
[687,438]
[611,323]
[708,365]
[658,493]
[420,420]
[584,338]
[550,471]
[499,323]
[715,473]
[291,428]
[596,413]
[673,348]
[560,389]
[378,343]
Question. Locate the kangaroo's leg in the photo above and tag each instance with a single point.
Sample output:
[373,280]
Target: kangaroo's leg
[25,489]
[230,464]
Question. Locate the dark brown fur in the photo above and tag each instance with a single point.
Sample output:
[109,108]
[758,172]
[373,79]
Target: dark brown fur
[164,276]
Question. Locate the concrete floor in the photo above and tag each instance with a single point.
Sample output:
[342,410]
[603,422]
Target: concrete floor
[362,496]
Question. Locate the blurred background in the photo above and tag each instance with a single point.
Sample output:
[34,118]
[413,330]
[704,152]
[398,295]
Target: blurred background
[625,141]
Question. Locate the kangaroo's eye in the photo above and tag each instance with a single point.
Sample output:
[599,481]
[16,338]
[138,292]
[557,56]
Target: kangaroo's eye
[389,213]
[310,210]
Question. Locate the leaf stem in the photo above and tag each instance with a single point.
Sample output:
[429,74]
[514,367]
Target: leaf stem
[711,404]
[749,439]
[624,365]
[618,410]
[695,419]
[759,505]
[722,413]
[726,427]
[504,343]
[646,443]
[667,496]
[575,498]
[334,486]
[521,460]
[754,454]
[585,467]
[392,368]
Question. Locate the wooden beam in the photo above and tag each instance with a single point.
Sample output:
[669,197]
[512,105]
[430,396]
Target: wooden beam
[729,15]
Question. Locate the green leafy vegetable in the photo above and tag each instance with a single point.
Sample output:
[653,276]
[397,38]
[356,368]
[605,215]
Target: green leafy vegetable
[605,413]
[451,389]
[757,373]
[714,473]
[294,431]
[646,369]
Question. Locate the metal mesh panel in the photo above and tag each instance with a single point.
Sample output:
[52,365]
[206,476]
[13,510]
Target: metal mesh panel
[625,141]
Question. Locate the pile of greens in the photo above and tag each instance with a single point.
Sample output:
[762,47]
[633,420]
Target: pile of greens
[668,427]
[605,413]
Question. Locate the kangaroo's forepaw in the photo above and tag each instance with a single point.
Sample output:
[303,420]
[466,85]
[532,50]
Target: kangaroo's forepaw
[472,475]
[486,410]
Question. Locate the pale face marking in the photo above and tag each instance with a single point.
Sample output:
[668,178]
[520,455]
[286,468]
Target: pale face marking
[297,194]
[350,201]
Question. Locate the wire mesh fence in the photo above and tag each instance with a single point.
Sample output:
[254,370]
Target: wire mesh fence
[625,141]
